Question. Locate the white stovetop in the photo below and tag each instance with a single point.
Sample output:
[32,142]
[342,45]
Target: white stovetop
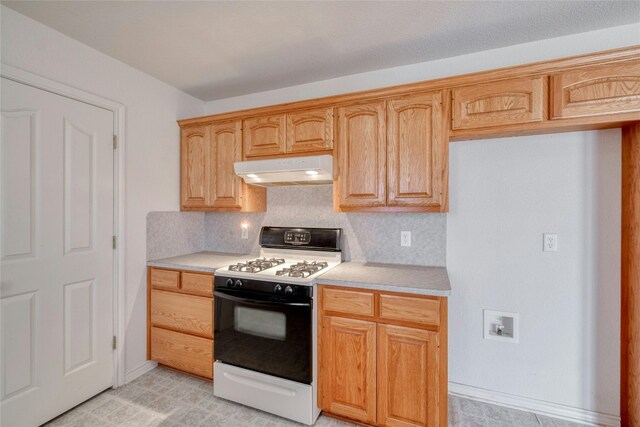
[291,257]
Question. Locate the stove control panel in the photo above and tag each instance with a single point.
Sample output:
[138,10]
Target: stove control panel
[284,290]
[297,237]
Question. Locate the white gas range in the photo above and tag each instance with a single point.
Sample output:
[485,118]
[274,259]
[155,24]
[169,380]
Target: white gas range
[265,325]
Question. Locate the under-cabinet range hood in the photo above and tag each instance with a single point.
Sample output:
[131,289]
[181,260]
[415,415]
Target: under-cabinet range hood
[310,170]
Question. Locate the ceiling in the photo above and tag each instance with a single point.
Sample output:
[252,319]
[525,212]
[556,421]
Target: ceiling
[219,49]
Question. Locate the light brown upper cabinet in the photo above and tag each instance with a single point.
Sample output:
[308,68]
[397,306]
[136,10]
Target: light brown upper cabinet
[362,155]
[194,167]
[310,130]
[264,136]
[500,103]
[392,156]
[208,180]
[226,148]
[416,151]
[304,132]
[596,90]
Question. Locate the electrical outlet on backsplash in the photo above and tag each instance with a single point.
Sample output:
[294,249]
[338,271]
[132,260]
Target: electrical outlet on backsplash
[367,236]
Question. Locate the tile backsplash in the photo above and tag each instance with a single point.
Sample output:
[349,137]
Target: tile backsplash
[174,233]
[373,237]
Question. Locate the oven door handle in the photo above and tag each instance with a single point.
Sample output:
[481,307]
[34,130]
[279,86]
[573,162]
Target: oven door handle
[263,303]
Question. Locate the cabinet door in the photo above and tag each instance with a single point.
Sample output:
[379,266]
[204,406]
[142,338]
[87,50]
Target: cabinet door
[362,152]
[226,149]
[602,89]
[264,136]
[500,103]
[310,130]
[194,167]
[417,150]
[348,367]
[407,377]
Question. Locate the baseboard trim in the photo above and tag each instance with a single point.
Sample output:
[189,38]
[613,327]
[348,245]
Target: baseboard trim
[139,371]
[533,405]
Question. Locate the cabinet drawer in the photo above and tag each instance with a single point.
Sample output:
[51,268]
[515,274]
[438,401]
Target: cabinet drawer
[601,89]
[184,313]
[348,302]
[197,284]
[165,279]
[499,103]
[181,351]
[409,309]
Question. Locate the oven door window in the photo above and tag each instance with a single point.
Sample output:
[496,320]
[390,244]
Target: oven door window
[260,323]
[263,334]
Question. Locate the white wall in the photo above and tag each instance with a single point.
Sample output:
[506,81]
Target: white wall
[504,194]
[577,44]
[152,135]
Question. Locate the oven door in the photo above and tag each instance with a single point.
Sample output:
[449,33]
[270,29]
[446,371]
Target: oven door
[264,333]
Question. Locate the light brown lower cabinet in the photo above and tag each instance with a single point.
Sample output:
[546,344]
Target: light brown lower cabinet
[349,348]
[180,320]
[380,370]
[407,376]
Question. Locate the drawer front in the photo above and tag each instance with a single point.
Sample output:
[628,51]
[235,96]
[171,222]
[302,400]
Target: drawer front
[601,89]
[348,302]
[165,279]
[183,313]
[181,351]
[409,309]
[500,103]
[197,284]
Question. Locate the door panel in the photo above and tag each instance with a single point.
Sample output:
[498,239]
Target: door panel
[406,376]
[57,255]
[362,148]
[349,368]
[21,139]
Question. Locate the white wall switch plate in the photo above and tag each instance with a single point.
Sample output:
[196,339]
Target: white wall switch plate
[245,231]
[550,242]
[405,238]
[501,326]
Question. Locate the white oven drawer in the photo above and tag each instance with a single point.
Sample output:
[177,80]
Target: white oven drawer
[285,398]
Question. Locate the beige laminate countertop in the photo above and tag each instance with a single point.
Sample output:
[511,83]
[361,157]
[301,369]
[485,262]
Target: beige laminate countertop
[366,275]
[389,277]
[199,261]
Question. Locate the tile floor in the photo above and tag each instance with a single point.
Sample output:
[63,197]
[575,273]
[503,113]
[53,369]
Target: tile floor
[165,398]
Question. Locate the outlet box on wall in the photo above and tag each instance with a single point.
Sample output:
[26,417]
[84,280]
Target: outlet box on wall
[501,326]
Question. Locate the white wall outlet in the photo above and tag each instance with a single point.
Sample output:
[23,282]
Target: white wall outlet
[550,242]
[405,238]
[501,326]
[245,231]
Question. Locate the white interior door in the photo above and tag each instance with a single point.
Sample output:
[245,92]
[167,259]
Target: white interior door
[56,282]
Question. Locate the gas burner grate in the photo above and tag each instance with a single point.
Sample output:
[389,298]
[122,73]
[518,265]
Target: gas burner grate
[256,265]
[302,269]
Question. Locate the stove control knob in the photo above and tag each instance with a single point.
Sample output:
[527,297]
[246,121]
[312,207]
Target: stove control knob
[238,284]
[277,289]
[229,283]
[288,290]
